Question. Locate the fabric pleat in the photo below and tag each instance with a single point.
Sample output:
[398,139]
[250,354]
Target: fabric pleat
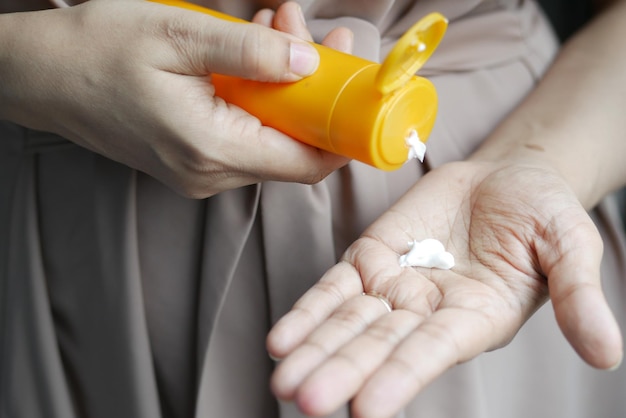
[120,298]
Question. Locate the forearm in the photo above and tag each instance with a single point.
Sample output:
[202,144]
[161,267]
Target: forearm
[28,53]
[7,53]
[574,120]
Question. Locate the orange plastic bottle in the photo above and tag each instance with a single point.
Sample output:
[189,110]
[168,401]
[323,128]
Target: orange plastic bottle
[349,106]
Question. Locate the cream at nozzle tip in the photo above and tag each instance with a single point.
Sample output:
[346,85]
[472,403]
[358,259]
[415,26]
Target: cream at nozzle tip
[417,149]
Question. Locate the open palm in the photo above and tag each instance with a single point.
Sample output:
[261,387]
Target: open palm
[518,235]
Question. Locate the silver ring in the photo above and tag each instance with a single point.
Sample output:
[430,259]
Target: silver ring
[381,298]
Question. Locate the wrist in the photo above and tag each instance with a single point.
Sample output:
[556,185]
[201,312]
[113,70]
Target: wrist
[572,158]
[30,52]
[20,72]
[8,50]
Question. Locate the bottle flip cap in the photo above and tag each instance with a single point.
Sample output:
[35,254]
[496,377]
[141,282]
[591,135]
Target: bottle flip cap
[411,101]
[350,106]
[384,111]
[411,52]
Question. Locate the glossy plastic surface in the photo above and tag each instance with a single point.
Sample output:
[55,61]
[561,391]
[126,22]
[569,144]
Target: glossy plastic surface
[349,106]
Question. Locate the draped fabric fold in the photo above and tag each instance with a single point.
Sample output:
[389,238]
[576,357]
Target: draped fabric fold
[74,337]
[120,298]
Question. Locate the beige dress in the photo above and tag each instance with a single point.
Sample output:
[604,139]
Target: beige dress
[118,298]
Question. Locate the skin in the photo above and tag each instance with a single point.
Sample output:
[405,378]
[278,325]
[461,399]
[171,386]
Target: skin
[514,215]
[515,243]
[141,93]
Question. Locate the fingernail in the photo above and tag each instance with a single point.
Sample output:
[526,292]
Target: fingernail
[301,14]
[303,59]
[276,359]
[617,365]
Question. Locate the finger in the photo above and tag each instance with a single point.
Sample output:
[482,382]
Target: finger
[290,19]
[331,332]
[341,39]
[579,304]
[339,284]
[343,281]
[271,155]
[448,337]
[346,323]
[204,44]
[231,148]
[406,288]
[340,377]
[264,17]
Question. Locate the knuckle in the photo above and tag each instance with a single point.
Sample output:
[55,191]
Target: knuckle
[350,320]
[329,289]
[190,172]
[408,369]
[175,32]
[196,193]
[260,55]
[385,334]
[193,187]
[315,176]
[182,39]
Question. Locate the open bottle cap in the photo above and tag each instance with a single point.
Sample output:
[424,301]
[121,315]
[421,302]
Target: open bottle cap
[411,52]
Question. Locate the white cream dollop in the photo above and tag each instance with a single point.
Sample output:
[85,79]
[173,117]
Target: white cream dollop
[417,149]
[429,253]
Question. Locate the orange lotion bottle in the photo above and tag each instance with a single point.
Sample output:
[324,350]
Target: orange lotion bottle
[350,106]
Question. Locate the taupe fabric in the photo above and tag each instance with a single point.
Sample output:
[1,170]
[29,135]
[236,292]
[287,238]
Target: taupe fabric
[119,298]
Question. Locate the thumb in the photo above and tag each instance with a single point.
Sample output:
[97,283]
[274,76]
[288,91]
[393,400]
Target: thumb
[579,304]
[205,44]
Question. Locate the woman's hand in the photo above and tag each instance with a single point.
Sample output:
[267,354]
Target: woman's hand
[131,81]
[514,216]
[518,235]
